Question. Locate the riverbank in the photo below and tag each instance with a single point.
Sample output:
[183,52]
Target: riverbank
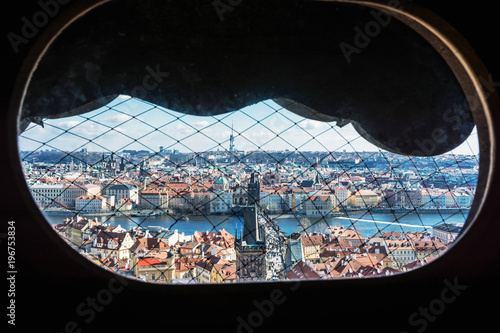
[368,224]
[239,212]
[416,210]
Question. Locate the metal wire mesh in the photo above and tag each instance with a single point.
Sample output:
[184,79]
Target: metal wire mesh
[331,205]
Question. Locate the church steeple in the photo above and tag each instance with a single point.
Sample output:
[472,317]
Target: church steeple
[103,161]
[250,247]
[317,182]
[122,165]
[111,170]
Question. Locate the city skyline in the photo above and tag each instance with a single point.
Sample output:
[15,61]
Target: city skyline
[131,124]
[228,216]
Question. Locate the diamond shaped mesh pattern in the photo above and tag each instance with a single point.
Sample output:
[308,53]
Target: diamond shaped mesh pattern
[160,195]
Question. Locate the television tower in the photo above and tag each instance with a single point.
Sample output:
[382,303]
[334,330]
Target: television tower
[231,140]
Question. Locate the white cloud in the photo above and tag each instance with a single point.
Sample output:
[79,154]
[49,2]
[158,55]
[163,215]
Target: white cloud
[314,125]
[65,124]
[116,118]
[307,134]
[200,124]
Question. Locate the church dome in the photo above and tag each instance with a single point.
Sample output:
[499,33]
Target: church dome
[221,180]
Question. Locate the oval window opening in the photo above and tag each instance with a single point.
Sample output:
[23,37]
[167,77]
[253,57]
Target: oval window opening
[257,194]
[148,173]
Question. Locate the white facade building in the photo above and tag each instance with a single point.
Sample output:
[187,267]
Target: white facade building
[73,191]
[273,202]
[221,198]
[446,232]
[342,196]
[122,191]
[221,202]
[48,195]
[91,203]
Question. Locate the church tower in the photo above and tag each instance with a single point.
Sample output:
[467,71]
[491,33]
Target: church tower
[102,167]
[253,190]
[103,162]
[317,182]
[122,165]
[250,245]
[112,165]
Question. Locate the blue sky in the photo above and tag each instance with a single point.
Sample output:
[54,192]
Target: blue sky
[127,123]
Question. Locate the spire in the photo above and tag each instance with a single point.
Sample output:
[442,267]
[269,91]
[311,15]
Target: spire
[122,165]
[231,139]
[317,182]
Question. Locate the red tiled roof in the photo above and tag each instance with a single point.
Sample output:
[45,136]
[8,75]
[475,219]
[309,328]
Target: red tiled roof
[312,240]
[90,197]
[150,262]
[302,271]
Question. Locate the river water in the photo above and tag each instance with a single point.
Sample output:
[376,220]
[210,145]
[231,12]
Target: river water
[366,223]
